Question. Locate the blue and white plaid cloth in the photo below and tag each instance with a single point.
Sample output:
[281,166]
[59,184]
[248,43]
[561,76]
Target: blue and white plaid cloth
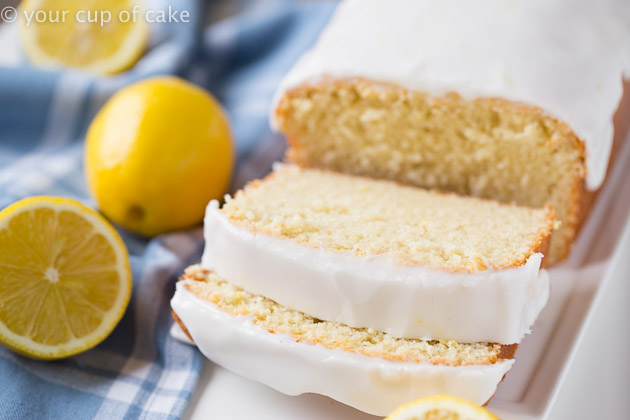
[139,371]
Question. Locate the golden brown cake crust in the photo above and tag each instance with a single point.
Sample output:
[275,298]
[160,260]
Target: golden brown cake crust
[544,241]
[181,325]
[621,123]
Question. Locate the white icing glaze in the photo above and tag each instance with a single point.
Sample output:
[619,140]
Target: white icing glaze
[370,384]
[566,57]
[405,301]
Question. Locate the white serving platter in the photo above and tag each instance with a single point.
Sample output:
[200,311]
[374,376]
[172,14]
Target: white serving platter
[543,359]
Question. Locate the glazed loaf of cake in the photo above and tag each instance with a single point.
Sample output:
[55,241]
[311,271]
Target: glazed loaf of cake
[295,353]
[367,291]
[512,101]
[338,275]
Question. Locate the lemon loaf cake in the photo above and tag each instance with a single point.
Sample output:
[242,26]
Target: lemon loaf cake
[512,101]
[295,353]
[373,253]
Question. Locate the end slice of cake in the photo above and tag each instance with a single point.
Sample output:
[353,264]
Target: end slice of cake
[295,353]
[376,254]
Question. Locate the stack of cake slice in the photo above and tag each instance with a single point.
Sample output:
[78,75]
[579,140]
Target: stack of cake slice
[366,291]
[375,293]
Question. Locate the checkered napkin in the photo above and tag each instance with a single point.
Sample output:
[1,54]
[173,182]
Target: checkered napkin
[139,371]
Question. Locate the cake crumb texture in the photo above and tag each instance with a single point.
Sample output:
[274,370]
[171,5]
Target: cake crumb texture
[489,148]
[337,212]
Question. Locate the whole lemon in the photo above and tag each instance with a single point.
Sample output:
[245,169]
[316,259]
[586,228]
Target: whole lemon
[157,153]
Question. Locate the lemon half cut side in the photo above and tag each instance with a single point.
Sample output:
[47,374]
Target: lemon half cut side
[65,278]
[441,407]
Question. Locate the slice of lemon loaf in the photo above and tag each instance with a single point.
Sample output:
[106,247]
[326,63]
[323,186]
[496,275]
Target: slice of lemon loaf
[373,253]
[473,97]
[295,353]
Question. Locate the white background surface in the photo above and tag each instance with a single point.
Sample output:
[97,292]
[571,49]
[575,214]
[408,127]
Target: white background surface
[598,383]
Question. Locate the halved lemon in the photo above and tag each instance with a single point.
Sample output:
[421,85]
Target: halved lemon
[441,407]
[100,36]
[65,279]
